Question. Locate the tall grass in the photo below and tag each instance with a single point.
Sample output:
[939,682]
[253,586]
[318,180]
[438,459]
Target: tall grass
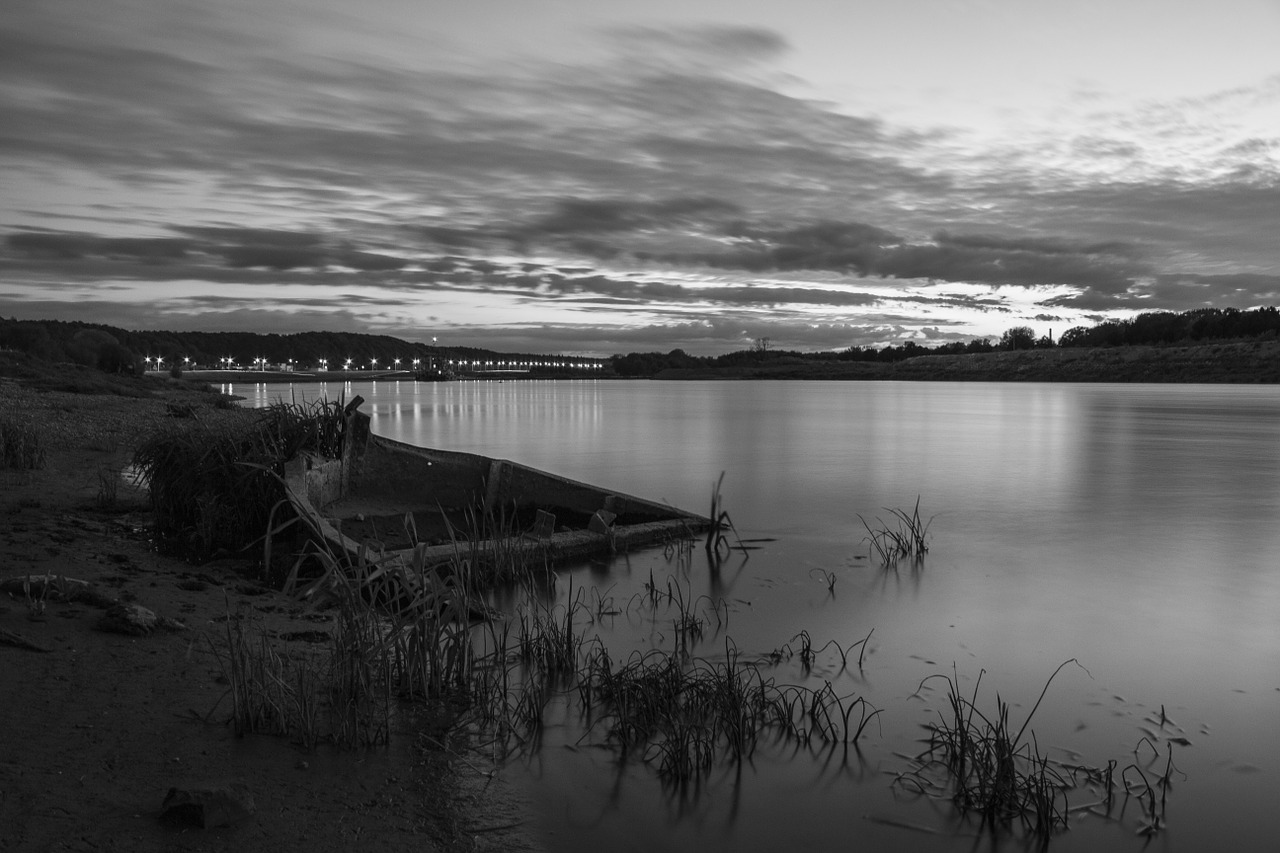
[717,543]
[907,537]
[401,631]
[997,772]
[213,488]
[489,546]
[20,445]
[677,711]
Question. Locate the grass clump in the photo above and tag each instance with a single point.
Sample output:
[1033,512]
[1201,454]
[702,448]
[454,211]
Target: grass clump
[717,543]
[20,445]
[677,712]
[996,773]
[213,488]
[907,538]
[401,631]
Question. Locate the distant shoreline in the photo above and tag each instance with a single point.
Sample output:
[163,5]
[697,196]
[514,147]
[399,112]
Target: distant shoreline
[1237,362]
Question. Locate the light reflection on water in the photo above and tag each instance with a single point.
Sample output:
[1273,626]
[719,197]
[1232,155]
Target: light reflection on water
[1130,527]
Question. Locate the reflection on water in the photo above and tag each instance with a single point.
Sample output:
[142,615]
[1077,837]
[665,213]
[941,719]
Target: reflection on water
[1130,527]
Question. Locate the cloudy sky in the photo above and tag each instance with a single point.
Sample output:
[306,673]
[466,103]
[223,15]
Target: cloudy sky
[592,176]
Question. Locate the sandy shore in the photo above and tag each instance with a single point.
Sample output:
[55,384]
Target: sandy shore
[99,726]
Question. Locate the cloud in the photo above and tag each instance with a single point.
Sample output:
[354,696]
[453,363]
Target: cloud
[587,216]
[676,178]
[871,251]
[236,247]
[712,48]
[49,245]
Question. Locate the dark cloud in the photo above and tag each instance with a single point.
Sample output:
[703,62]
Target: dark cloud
[214,301]
[274,257]
[48,245]
[1037,245]
[367,261]
[237,247]
[957,263]
[871,251]
[586,216]
[259,237]
[452,238]
[1181,292]
[654,292]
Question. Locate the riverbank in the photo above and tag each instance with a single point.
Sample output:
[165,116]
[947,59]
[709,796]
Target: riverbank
[1232,362]
[99,726]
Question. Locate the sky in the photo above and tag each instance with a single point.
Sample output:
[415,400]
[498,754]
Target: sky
[596,177]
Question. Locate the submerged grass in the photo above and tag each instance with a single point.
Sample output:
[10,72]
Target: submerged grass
[717,543]
[993,772]
[907,538]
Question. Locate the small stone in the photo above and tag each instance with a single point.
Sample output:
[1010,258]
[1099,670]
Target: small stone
[133,619]
[209,807]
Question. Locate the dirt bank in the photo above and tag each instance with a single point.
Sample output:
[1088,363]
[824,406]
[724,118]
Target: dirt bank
[98,726]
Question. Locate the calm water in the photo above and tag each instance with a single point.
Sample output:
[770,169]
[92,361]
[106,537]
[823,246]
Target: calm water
[1132,528]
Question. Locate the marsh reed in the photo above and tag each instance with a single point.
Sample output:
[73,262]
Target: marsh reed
[996,773]
[908,537]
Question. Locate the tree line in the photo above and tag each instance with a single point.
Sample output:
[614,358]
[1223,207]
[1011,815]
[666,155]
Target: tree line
[1154,328]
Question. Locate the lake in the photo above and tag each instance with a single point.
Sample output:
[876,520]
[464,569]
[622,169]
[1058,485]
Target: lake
[1129,527]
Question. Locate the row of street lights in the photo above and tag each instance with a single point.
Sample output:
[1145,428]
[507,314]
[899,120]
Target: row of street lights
[262,364]
[157,362]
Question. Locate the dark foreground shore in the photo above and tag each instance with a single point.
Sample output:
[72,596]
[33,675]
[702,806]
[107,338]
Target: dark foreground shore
[98,726]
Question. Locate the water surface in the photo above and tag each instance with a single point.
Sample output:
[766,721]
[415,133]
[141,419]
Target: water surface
[1130,527]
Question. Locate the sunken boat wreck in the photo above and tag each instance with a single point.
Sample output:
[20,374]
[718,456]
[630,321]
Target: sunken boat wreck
[386,499]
